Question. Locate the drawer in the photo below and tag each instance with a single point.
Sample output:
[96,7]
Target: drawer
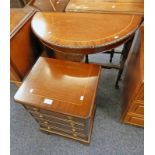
[134,119]
[140,93]
[75,119]
[50,113]
[57,119]
[62,126]
[63,131]
[137,108]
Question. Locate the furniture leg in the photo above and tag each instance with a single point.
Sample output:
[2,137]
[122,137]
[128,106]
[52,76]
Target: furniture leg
[87,59]
[125,53]
[111,55]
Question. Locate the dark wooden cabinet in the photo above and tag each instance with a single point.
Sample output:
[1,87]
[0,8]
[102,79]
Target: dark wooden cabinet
[23,44]
[133,93]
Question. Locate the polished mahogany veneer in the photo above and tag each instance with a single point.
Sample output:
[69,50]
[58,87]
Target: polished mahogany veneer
[133,92]
[82,33]
[23,43]
[49,5]
[107,6]
[70,88]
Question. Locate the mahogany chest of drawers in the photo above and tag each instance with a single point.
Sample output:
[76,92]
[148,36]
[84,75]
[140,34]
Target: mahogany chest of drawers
[60,95]
[133,94]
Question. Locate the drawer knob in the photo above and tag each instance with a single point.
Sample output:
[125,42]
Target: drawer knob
[35,109]
[69,117]
[41,116]
[70,121]
[48,128]
[75,135]
[72,124]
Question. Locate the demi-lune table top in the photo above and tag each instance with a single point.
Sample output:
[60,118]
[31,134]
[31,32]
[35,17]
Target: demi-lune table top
[82,31]
[106,6]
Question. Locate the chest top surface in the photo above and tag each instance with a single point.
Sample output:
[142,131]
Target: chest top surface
[71,86]
[83,30]
[107,6]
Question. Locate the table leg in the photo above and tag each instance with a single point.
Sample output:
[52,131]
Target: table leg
[125,53]
[112,55]
[87,59]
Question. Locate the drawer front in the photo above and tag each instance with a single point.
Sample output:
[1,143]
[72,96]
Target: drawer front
[64,131]
[75,119]
[62,126]
[137,108]
[135,120]
[57,119]
[58,115]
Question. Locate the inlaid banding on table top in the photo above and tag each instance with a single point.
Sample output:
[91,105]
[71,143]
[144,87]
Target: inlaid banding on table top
[82,30]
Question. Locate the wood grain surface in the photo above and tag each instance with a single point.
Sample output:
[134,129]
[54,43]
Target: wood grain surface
[107,6]
[82,32]
[72,87]
[133,94]
[18,17]
[49,5]
[23,44]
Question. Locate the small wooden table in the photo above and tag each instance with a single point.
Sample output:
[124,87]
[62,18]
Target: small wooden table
[62,101]
[74,35]
[83,33]
[107,6]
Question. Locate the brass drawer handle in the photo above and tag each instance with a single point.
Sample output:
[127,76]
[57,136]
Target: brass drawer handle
[48,128]
[41,116]
[35,109]
[70,121]
[72,124]
[69,117]
[75,135]
[45,122]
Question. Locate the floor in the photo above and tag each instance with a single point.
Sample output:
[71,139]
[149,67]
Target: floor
[109,137]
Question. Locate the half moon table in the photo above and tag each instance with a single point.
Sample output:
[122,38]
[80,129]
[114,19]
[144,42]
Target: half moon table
[73,35]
